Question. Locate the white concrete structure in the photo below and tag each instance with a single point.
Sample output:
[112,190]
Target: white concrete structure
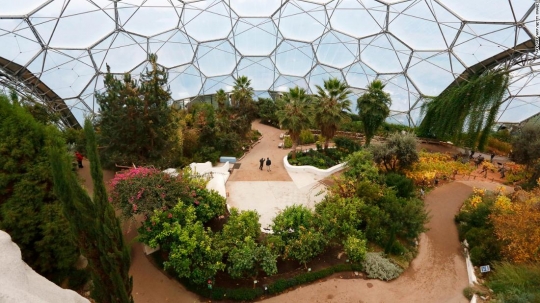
[21,284]
[306,174]
[217,175]
[269,198]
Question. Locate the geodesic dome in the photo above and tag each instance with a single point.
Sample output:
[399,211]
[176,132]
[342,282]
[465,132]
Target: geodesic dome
[57,50]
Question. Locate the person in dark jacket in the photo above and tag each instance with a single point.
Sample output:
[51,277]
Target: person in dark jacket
[268,163]
[261,163]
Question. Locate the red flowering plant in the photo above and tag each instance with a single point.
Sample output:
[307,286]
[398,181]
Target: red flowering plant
[143,190]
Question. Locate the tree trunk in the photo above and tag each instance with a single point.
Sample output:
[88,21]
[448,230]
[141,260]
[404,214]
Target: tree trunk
[326,143]
[294,145]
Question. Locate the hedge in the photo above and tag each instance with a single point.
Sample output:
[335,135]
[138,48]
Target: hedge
[279,286]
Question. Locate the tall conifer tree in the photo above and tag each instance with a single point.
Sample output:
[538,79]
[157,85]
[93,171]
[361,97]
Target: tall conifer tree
[98,230]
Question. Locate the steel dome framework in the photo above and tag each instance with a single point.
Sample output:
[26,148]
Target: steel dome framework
[57,50]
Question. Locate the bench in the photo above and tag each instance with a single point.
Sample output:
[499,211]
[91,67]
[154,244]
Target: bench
[227,159]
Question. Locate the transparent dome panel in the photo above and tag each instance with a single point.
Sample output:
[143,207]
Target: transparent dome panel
[81,25]
[216,58]
[417,26]
[122,52]
[20,8]
[255,36]
[207,20]
[478,42]
[525,83]
[259,8]
[359,75]
[431,72]
[172,48]
[336,49]
[21,41]
[185,81]
[519,109]
[283,83]
[301,21]
[135,19]
[403,93]
[321,73]
[481,10]
[345,16]
[68,72]
[261,72]
[213,84]
[398,118]
[294,58]
[384,53]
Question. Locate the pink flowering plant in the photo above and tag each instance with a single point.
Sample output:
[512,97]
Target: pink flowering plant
[143,190]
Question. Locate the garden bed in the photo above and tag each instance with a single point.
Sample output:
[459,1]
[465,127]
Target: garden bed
[291,275]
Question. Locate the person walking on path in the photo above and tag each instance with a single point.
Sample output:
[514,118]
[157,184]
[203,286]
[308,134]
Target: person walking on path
[261,161]
[79,159]
[268,163]
[492,156]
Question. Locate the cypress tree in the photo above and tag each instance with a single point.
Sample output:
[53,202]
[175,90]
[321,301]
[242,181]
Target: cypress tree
[98,231]
[29,210]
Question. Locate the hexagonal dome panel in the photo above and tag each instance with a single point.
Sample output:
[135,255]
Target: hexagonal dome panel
[185,81]
[321,73]
[19,8]
[301,21]
[173,48]
[17,33]
[345,16]
[216,58]
[442,67]
[294,58]
[77,24]
[336,49]
[116,48]
[259,8]
[261,71]
[417,25]
[255,36]
[384,53]
[134,16]
[207,20]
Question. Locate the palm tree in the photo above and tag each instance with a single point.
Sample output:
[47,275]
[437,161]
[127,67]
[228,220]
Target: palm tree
[373,108]
[331,105]
[294,113]
[242,91]
[221,98]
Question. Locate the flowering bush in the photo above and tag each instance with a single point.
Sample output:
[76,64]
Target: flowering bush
[431,165]
[143,190]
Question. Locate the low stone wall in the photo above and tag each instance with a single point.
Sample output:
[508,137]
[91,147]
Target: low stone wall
[311,169]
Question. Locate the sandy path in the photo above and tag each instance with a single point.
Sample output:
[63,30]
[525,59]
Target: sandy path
[267,148]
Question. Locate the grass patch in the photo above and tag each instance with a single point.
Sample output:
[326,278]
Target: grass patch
[515,283]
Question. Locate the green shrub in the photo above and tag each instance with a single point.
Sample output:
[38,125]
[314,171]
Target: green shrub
[378,267]
[403,186]
[347,145]
[306,137]
[287,142]
[355,248]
